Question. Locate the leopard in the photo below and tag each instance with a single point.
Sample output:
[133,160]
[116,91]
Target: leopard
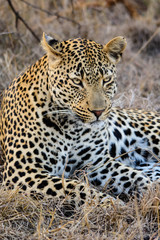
[62,138]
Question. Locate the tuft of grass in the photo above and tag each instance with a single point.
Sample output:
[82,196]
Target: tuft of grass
[22,217]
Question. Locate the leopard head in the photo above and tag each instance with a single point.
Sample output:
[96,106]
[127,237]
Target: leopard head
[82,75]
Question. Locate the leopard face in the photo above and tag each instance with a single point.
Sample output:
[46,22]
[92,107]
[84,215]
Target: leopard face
[82,76]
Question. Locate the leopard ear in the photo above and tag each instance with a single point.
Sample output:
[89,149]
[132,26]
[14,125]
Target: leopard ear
[49,45]
[115,48]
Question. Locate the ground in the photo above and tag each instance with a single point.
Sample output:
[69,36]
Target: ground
[138,87]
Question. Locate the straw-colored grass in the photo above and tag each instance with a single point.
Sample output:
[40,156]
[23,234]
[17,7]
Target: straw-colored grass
[22,217]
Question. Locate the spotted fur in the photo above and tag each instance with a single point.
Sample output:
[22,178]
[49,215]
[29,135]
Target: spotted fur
[57,124]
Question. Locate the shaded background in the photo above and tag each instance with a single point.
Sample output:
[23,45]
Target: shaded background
[22,23]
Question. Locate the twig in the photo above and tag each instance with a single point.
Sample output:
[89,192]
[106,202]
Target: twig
[18,17]
[145,44]
[6,33]
[51,13]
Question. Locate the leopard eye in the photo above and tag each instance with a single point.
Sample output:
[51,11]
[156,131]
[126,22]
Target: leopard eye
[77,82]
[107,81]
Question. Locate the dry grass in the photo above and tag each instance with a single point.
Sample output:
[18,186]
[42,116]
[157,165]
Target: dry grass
[24,218]
[139,86]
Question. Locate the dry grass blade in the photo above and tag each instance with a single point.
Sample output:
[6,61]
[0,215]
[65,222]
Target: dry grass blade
[61,227]
[51,221]
[39,224]
[138,219]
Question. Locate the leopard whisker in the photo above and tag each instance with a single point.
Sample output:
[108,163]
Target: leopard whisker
[57,112]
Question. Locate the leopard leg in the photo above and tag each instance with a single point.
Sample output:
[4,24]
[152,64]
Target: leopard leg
[119,178]
[71,191]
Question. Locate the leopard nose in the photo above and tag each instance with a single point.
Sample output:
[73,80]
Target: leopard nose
[98,113]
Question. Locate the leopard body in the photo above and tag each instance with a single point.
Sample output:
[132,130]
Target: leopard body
[58,126]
